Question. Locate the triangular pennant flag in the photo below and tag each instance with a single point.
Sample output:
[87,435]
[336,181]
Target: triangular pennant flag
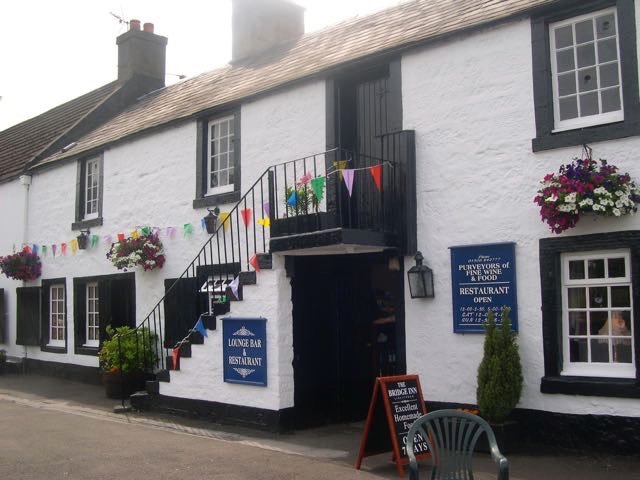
[63,248]
[26,248]
[135,234]
[108,239]
[265,222]
[224,218]
[188,229]
[34,249]
[266,207]
[175,356]
[246,216]
[74,246]
[347,175]
[234,287]
[254,263]
[53,249]
[121,237]
[200,328]
[339,165]
[155,230]
[146,230]
[94,240]
[293,199]
[171,231]
[376,171]
[203,225]
[317,185]
[44,250]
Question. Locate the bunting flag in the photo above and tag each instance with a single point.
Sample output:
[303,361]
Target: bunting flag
[171,231]
[53,249]
[63,248]
[94,240]
[339,165]
[135,234]
[175,356]
[155,230]
[200,328]
[254,263]
[265,222]
[203,225]
[146,230]
[187,229]
[246,216]
[26,248]
[34,249]
[108,239]
[44,250]
[317,185]
[266,207]
[74,246]
[121,237]
[293,199]
[376,171]
[224,218]
[234,285]
[347,175]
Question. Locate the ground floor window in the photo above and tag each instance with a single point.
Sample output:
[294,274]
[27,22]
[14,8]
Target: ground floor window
[589,292]
[53,315]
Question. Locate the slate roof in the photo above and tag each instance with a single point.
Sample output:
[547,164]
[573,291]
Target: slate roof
[312,54]
[23,142]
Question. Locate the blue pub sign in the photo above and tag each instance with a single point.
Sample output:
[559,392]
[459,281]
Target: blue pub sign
[245,350]
[483,278]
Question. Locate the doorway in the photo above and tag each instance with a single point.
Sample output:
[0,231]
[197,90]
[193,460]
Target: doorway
[348,328]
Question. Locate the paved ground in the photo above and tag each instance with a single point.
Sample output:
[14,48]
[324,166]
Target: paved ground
[52,429]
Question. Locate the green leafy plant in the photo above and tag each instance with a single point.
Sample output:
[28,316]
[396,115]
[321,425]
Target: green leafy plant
[128,350]
[500,371]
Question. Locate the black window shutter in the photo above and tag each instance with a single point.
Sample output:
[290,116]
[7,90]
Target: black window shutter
[44,318]
[181,309]
[3,317]
[28,316]
[80,311]
[123,302]
[104,304]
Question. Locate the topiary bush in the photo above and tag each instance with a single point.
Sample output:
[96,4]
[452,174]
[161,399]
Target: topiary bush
[500,372]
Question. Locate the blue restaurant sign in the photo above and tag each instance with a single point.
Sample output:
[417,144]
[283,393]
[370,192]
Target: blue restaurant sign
[245,350]
[483,278]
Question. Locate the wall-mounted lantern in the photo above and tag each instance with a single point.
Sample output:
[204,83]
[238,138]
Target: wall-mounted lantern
[420,279]
[211,220]
[83,239]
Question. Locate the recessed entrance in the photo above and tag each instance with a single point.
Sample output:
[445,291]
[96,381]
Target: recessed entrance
[348,328]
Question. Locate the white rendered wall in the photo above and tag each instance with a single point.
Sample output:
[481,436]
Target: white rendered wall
[11,237]
[470,102]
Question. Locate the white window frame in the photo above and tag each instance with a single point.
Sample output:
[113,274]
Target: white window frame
[595,369]
[57,313]
[215,139]
[92,316]
[591,120]
[91,188]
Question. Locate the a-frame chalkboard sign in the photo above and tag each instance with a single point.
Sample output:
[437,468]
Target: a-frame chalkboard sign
[389,421]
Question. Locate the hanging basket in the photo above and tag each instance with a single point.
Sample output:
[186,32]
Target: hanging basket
[24,265]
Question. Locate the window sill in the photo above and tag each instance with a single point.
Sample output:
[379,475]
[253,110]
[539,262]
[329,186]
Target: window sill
[52,349]
[84,350]
[84,224]
[214,200]
[591,386]
[580,136]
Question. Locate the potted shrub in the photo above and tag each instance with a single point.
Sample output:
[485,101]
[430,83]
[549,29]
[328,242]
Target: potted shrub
[24,265]
[500,380]
[125,358]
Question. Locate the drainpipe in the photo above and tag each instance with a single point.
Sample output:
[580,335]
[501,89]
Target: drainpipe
[25,181]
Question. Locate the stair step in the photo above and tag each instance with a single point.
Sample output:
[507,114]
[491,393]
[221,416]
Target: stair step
[196,338]
[265,261]
[164,375]
[170,365]
[153,387]
[185,350]
[247,278]
[210,320]
[141,400]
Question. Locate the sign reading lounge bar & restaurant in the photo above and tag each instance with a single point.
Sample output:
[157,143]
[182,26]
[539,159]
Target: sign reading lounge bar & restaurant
[483,278]
[245,350]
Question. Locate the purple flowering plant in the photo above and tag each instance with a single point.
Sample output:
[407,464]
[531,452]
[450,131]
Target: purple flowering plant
[24,265]
[585,186]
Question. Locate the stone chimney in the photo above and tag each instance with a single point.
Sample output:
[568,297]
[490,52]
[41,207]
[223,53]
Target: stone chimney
[259,25]
[142,55]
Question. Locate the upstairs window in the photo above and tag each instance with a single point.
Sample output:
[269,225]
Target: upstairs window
[220,157]
[598,315]
[91,189]
[585,66]
[89,192]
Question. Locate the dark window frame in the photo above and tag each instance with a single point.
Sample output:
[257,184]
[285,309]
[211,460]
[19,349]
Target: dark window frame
[45,314]
[80,222]
[104,299]
[202,138]
[551,250]
[542,87]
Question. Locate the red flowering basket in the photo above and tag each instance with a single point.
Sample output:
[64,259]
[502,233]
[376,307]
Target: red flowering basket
[24,265]
[144,250]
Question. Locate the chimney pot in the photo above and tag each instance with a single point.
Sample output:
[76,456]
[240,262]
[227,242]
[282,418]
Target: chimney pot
[148,27]
[134,24]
